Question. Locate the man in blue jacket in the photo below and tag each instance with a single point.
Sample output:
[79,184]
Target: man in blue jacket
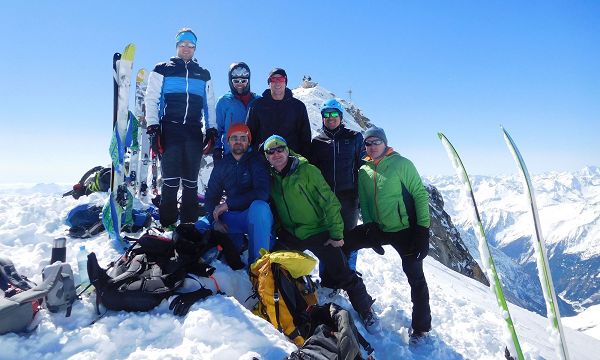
[232,108]
[179,101]
[242,176]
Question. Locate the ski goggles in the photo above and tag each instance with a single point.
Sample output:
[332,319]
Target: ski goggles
[373,142]
[239,81]
[278,149]
[188,45]
[328,114]
[240,72]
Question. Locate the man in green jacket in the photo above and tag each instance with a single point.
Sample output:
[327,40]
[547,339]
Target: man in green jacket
[395,211]
[308,215]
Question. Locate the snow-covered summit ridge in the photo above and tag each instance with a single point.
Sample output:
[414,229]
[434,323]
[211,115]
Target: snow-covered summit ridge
[314,97]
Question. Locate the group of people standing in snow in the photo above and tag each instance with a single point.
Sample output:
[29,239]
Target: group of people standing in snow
[281,188]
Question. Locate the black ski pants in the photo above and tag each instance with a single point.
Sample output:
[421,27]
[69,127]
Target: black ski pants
[349,212]
[403,243]
[337,273]
[180,165]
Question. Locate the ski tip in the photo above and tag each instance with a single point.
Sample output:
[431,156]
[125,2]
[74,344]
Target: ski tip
[140,75]
[129,52]
[440,135]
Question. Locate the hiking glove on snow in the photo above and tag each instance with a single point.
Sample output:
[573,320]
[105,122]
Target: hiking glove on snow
[209,141]
[421,238]
[154,136]
[182,303]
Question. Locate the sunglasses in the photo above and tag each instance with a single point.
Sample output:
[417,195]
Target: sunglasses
[329,114]
[187,45]
[278,149]
[239,81]
[373,142]
[277,79]
[241,138]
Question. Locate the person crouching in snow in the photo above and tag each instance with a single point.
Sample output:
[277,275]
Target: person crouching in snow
[242,176]
[309,218]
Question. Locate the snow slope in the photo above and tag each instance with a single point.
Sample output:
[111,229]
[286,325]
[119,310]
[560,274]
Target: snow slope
[466,325]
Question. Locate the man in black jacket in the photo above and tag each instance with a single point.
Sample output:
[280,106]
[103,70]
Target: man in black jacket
[338,153]
[278,112]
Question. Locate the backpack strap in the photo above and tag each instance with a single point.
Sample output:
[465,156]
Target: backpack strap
[276,297]
[9,275]
[364,343]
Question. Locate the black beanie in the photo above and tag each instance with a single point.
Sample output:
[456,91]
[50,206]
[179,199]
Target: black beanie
[277,71]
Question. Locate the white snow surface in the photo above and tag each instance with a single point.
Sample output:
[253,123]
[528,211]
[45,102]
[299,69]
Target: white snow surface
[586,321]
[466,322]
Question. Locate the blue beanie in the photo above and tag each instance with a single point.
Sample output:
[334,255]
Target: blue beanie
[186,35]
[376,132]
[274,141]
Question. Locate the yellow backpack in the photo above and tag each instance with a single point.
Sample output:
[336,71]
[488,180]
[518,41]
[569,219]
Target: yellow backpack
[281,281]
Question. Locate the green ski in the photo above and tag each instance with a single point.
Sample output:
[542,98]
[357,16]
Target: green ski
[540,250]
[484,249]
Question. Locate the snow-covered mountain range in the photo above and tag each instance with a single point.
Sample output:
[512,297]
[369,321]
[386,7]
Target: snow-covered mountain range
[569,205]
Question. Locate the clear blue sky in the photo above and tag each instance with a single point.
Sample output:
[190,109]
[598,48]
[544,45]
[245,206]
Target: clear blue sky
[415,68]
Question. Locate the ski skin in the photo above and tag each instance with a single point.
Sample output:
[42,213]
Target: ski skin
[484,249]
[541,256]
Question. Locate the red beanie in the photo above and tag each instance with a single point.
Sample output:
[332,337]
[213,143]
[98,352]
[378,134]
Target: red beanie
[239,127]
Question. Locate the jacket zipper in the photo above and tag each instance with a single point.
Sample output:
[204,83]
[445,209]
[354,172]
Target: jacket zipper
[375,192]
[308,199]
[334,170]
[287,208]
[187,93]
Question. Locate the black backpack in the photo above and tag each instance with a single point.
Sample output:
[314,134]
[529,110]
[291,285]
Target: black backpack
[334,336]
[148,272]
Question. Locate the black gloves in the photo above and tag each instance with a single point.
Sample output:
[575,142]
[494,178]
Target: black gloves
[217,154]
[421,239]
[182,303]
[209,141]
[78,191]
[153,132]
[373,236]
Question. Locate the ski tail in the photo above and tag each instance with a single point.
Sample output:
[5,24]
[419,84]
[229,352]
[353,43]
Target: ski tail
[540,249]
[513,347]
